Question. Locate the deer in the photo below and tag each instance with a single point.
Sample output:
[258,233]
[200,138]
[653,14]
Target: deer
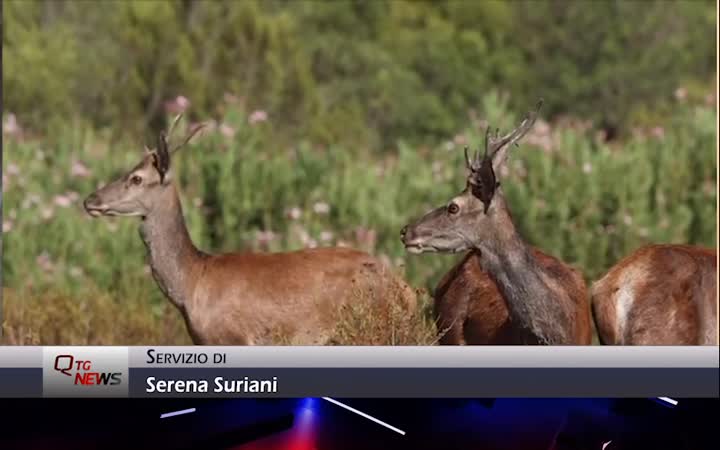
[503,291]
[661,294]
[240,298]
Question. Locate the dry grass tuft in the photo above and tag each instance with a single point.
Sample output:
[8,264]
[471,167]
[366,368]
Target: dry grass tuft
[367,321]
[92,319]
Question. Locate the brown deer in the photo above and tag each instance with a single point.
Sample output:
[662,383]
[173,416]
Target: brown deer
[659,295]
[241,298]
[503,291]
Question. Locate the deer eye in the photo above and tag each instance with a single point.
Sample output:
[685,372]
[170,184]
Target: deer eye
[453,208]
[136,180]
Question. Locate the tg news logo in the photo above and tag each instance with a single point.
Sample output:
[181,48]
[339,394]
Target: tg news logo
[85,371]
[82,373]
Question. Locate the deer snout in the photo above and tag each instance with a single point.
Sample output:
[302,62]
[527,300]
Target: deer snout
[410,240]
[93,205]
[407,236]
[404,234]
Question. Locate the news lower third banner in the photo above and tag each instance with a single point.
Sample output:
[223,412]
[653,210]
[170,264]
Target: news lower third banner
[419,372]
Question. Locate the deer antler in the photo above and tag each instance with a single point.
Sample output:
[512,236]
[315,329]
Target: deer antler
[173,125]
[498,146]
[521,130]
[468,161]
[162,152]
[482,173]
[187,138]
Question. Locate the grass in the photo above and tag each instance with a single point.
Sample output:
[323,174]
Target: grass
[73,280]
[93,319]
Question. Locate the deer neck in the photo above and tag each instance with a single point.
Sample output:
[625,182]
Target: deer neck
[174,259]
[532,303]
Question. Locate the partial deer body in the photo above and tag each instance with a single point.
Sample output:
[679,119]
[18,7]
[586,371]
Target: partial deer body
[545,300]
[659,295]
[242,299]
[470,308]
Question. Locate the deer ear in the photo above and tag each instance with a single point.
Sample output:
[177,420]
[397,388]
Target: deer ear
[161,157]
[484,183]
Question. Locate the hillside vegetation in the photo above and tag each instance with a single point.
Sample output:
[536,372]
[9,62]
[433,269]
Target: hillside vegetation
[336,123]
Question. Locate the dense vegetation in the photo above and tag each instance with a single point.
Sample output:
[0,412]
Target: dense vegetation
[361,72]
[576,197]
[337,123]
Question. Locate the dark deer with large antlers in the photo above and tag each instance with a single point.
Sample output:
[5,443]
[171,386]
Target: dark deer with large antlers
[241,299]
[503,291]
[659,295]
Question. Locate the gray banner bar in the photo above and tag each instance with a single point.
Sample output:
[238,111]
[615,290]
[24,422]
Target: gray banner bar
[442,382]
[430,356]
[21,356]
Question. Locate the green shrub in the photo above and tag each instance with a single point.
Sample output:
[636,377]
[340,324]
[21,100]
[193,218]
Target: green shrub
[573,196]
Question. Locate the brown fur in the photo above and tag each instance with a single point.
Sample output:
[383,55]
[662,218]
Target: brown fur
[470,309]
[254,298]
[659,295]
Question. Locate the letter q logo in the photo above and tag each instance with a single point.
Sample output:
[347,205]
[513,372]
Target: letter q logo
[64,363]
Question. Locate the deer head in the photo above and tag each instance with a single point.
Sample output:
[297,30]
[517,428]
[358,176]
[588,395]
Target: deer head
[477,213]
[137,192]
